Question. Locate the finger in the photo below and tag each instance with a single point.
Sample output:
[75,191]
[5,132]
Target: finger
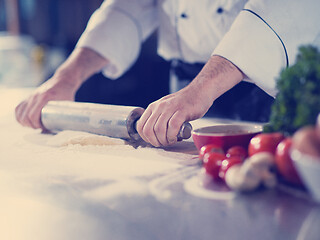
[21,116]
[148,130]
[161,127]
[34,114]
[174,126]
[144,130]
[19,110]
[141,122]
[27,116]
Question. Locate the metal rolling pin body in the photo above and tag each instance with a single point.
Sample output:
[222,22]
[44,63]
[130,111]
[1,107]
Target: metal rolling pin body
[109,120]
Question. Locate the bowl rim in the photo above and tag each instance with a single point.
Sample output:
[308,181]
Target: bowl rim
[258,128]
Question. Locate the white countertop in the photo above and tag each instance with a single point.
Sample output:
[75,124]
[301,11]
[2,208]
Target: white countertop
[118,192]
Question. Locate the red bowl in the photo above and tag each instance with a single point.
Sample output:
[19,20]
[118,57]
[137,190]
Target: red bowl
[226,135]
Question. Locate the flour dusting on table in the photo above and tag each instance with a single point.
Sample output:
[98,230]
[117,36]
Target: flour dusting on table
[69,137]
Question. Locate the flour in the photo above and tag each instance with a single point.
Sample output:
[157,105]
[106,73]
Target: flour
[123,187]
[69,137]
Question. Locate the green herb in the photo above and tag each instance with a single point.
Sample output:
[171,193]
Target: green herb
[298,100]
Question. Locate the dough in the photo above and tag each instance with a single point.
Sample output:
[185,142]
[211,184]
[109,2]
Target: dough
[69,137]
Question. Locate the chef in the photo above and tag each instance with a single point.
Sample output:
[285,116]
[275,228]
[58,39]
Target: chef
[236,40]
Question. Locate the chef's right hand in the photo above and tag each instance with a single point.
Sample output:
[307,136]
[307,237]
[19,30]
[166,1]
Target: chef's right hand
[59,87]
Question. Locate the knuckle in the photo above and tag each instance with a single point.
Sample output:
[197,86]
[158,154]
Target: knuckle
[44,98]
[160,105]
[164,104]
[151,106]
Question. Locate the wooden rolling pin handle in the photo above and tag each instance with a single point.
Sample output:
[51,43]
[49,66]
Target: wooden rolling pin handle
[185,131]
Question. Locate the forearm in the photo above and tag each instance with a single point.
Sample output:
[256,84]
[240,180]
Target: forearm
[217,76]
[80,65]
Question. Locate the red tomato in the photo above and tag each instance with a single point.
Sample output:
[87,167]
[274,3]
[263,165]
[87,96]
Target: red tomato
[227,163]
[237,151]
[209,148]
[212,162]
[265,142]
[284,163]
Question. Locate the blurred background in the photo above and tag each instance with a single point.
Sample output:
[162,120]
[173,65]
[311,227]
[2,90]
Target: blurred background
[37,35]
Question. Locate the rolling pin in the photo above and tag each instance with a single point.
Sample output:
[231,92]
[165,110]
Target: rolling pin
[108,120]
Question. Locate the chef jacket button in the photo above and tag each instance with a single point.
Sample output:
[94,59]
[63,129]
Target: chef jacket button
[183,15]
[220,10]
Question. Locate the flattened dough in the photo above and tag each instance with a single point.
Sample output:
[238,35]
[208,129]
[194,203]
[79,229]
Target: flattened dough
[69,137]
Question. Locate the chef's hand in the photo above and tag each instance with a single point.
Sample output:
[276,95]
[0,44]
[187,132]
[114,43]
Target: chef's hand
[28,112]
[80,65]
[160,123]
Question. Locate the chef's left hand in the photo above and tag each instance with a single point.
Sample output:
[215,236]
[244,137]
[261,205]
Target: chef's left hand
[160,123]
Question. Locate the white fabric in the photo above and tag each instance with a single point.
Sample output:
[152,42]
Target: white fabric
[118,27]
[116,31]
[255,48]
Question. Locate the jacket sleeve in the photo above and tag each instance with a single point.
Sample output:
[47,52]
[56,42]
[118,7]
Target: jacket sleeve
[265,37]
[116,31]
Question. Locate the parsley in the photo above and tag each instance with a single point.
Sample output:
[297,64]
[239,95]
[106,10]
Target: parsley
[297,103]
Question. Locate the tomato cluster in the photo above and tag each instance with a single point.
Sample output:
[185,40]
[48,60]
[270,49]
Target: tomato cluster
[278,145]
[217,162]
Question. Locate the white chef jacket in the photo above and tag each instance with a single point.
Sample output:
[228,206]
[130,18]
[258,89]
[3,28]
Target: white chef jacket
[261,37]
